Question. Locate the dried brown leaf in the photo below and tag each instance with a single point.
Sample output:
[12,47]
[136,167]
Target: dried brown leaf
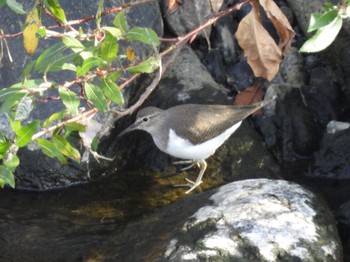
[252,94]
[263,55]
[216,4]
[280,22]
[173,4]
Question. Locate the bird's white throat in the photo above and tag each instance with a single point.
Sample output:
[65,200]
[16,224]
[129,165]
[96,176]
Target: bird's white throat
[183,148]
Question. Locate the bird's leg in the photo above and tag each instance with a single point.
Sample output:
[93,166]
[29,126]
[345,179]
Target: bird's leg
[191,162]
[203,166]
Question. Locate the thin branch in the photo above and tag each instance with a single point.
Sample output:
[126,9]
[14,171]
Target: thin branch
[209,22]
[181,41]
[86,114]
[82,20]
[151,87]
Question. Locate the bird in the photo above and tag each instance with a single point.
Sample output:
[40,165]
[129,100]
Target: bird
[192,132]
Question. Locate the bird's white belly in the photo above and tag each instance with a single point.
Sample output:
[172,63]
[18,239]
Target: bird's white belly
[183,148]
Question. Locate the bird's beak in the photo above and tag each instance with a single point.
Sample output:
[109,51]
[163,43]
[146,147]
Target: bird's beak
[129,129]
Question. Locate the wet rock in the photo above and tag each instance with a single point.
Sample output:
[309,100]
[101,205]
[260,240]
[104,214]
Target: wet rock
[300,132]
[343,218]
[215,65]
[259,220]
[332,161]
[186,16]
[223,39]
[292,70]
[336,126]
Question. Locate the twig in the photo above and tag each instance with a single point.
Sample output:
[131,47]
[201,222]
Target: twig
[82,20]
[151,87]
[86,114]
[211,21]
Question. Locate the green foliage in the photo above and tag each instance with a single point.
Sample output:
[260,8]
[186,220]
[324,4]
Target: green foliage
[96,60]
[327,26]
[14,6]
[56,9]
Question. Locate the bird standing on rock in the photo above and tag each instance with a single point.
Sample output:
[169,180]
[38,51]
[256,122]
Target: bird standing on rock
[192,131]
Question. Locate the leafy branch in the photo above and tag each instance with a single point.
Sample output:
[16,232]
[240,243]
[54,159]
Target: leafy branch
[327,26]
[98,65]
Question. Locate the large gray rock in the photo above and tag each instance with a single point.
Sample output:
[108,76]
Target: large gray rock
[259,220]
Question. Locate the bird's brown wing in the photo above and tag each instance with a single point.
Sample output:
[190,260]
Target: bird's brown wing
[203,122]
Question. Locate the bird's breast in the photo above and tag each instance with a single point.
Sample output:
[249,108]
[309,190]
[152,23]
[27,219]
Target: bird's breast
[182,148]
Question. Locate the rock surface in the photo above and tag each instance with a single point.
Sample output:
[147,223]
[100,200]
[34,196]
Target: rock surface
[259,220]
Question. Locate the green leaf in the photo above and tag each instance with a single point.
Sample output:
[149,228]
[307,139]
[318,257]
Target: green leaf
[2,3]
[50,150]
[15,7]
[323,37]
[6,177]
[70,127]
[114,75]
[23,108]
[111,90]
[10,96]
[94,143]
[73,44]
[115,32]
[31,84]
[54,59]
[25,133]
[27,70]
[3,148]
[2,137]
[68,66]
[55,117]
[147,66]
[69,99]
[317,20]
[109,47]
[5,93]
[88,64]
[120,22]
[98,14]
[95,95]
[61,63]
[65,147]
[48,56]
[11,161]
[15,125]
[42,32]
[144,35]
[57,10]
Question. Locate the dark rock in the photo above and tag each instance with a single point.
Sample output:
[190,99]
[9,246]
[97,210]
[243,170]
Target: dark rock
[215,65]
[223,39]
[187,16]
[239,76]
[332,161]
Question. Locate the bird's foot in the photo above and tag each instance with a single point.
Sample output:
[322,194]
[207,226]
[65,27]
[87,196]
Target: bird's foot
[192,185]
[192,163]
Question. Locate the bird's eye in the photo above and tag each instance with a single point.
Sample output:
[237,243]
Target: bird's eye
[145,119]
